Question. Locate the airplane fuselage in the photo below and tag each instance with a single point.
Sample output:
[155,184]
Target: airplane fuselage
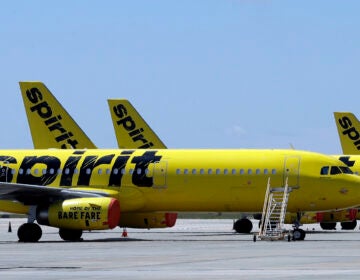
[186,180]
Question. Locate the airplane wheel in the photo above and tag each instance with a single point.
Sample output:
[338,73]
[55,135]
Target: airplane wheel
[243,226]
[348,225]
[70,234]
[299,234]
[29,232]
[328,226]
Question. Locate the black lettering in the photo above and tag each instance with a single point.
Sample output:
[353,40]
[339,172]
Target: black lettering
[345,122]
[43,110]
[90,162]
[57,126]
[34,95]
[352,133]
[347,161]
[63,137]
[45,179]
[5,171]
[116,175]
[142,163]
[70,165]
[120,111]
[52,120]
[135,132]
[59,215]
[128,123]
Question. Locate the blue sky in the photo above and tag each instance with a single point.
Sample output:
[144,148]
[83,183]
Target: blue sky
[204,74]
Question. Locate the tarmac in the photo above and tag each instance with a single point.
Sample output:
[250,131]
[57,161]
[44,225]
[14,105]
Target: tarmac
[193,249]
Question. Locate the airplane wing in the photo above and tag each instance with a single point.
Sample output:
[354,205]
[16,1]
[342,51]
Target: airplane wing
[35,194]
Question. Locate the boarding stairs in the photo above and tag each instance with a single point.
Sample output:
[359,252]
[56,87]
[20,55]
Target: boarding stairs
[273,216]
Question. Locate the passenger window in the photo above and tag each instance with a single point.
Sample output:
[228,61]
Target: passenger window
[242,171]
[258,172]
[21,171]
[210,171]
[76,171]
[178,171]
[273,171]
[218,171]
[115,171]
[36,171]
[266,171]
[249,171]
[123,171]
[334,170]
[324,170]
[233,171]
[131,171]
[193,171]
[186,171]
[226,171]
[138,171]
[44,171]
[13,171]
[88,171]
[100,171]
[202,171]
[52,171]
[67,171]
[59,171]
[28,171]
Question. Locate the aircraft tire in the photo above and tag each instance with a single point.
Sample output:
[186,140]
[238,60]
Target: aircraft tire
[328,226]
[243,226]
[299,234]
[348,225]
[29,232]
[70,234]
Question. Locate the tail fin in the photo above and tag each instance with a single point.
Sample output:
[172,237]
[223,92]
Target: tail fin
[132,132]
[348,127]
[50,125]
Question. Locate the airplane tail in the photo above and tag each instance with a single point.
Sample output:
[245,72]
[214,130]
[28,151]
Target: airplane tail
[132,132]
[50,124]
[348,127]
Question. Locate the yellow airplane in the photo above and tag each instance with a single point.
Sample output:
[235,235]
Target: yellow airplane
[77,190]
[49,132]
[63,188]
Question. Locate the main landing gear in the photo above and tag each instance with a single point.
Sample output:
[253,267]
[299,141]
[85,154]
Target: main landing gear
[29,232]
[243,225]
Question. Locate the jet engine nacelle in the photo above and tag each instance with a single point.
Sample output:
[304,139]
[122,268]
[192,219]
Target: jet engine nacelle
[81,213]
[148,220]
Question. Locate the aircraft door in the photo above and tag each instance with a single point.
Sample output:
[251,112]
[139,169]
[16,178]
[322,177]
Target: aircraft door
[5,172]
[292,171]
[160,168]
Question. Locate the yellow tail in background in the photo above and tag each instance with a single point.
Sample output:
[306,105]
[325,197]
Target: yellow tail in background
[50,124]
[132,132]
[348,127]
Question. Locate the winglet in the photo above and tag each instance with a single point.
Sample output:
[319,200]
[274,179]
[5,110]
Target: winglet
[50,124]
[348,127]
[132,132]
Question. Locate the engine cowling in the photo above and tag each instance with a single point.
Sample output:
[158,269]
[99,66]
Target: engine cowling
[81,213]
[148,220]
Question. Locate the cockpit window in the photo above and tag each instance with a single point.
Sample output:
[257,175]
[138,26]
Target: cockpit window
[335,170]
[345,169]
[324,170]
